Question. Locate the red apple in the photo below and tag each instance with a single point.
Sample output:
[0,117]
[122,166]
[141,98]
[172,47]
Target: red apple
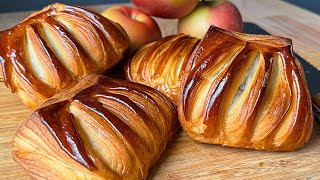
[140,27]
[219,13]
[166,8]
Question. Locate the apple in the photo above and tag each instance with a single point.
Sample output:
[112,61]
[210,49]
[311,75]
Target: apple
[219,13]
[166,8]
[140,27]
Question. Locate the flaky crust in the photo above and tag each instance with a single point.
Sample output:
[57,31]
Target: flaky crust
[161,64]
[245,91]
[55,47]
[102,129]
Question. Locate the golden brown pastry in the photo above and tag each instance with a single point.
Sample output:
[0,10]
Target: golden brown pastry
[161,64]
[245,91]
[54,48]
[101,129]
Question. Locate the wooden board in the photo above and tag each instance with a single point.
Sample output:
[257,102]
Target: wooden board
[184,158]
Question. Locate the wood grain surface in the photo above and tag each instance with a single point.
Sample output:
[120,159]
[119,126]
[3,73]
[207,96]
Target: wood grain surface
[184,158]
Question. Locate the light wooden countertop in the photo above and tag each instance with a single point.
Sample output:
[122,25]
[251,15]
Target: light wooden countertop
[184,158]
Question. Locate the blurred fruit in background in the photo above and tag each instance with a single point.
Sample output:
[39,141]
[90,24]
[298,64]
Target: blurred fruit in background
[166,8]
[140,27]
[220,13]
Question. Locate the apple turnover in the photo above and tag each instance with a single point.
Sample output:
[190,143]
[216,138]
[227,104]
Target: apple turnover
[53,48]
[101,129]
[245,91]
[161,64]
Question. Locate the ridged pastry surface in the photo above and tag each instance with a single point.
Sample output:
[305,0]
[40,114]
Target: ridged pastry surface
[161,64]
[245,91]
[102,129]
[53,48]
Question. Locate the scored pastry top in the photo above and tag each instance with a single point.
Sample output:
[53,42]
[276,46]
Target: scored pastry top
[161,64]
[113,128]
[55,47]
[245,91]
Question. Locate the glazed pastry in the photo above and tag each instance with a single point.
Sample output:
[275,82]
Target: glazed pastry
[53,48]
[101,129]
[245,91]
[161,64]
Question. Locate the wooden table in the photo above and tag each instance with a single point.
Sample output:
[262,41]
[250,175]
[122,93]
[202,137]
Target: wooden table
[184,158]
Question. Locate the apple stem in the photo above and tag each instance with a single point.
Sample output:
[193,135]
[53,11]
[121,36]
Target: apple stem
[204,2]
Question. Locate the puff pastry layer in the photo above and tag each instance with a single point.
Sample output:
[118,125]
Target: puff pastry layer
[161,64]
[101,129]
[53,48]
[245,91]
